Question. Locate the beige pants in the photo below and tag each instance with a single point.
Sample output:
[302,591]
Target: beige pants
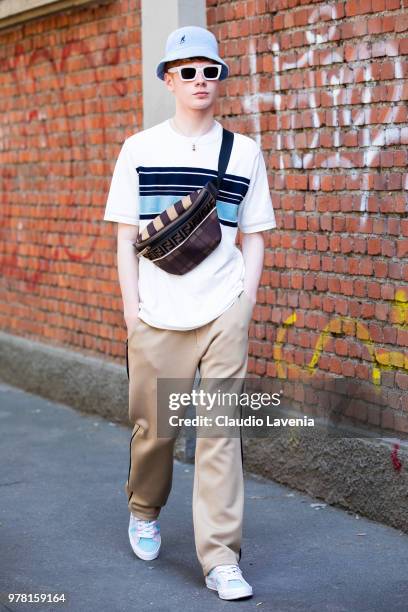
[220,350]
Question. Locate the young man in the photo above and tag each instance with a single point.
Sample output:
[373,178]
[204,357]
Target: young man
[178,323]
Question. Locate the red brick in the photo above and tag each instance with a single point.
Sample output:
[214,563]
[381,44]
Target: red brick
[373,246]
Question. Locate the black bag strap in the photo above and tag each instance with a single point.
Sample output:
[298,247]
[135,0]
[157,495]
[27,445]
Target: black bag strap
[225,154]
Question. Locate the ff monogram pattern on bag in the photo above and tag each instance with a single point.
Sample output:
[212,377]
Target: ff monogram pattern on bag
[182,233]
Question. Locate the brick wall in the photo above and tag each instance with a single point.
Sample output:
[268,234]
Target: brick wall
[322,86]
[70,91]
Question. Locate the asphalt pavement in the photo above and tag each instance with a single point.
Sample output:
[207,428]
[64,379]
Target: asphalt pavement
[64,520]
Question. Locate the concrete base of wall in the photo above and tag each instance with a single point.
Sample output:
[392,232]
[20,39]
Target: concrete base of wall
[354,473]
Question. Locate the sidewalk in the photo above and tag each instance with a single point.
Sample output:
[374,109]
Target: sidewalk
[64,519]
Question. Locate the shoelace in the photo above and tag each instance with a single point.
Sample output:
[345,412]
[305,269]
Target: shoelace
[146,529]
[232,572]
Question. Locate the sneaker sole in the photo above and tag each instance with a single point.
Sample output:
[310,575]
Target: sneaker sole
[146,556]
[238,594]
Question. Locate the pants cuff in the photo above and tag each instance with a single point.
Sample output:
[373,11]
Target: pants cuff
[209,565]
[147,516]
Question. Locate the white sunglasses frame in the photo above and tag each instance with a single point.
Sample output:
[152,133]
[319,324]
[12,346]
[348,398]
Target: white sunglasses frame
[200,69]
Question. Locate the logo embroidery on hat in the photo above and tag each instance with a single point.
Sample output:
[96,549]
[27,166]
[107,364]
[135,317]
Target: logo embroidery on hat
[182,39]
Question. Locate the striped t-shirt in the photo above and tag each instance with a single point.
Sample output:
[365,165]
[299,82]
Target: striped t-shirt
[155,168]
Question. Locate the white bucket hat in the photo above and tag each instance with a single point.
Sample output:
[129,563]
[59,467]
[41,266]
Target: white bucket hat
[191,41]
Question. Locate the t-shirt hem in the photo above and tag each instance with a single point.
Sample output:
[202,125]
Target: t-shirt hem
[249,229]
[121,219]
[161,325]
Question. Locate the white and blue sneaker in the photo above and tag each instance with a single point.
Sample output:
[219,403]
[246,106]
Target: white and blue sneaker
[145,538]
[228,581]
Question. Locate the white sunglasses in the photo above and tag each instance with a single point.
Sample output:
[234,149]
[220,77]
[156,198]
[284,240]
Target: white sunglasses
[211,72]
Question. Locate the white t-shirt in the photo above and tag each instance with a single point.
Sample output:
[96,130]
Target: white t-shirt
[154,169]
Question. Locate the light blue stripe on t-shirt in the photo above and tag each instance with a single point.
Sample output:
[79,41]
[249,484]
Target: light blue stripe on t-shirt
[154,205]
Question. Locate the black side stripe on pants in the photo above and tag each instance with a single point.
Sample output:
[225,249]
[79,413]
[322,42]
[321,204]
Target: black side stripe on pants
[130,458]
[127,358]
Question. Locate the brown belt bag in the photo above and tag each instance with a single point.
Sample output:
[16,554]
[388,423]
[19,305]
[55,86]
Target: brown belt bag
[185,233]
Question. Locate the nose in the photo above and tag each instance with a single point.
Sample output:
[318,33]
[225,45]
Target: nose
[200,76]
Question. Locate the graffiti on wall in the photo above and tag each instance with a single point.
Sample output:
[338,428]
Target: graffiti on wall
[339,81]
[65,137]
[381,358]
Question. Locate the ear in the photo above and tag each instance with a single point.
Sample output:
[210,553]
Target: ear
[168,80]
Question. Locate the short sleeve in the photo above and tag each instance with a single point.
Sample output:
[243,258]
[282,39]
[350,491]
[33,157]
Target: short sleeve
[255,212]
[123,199]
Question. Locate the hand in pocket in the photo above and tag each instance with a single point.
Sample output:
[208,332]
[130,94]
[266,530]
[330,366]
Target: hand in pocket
[132,324]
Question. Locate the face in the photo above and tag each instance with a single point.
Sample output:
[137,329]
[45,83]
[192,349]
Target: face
[186,92]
